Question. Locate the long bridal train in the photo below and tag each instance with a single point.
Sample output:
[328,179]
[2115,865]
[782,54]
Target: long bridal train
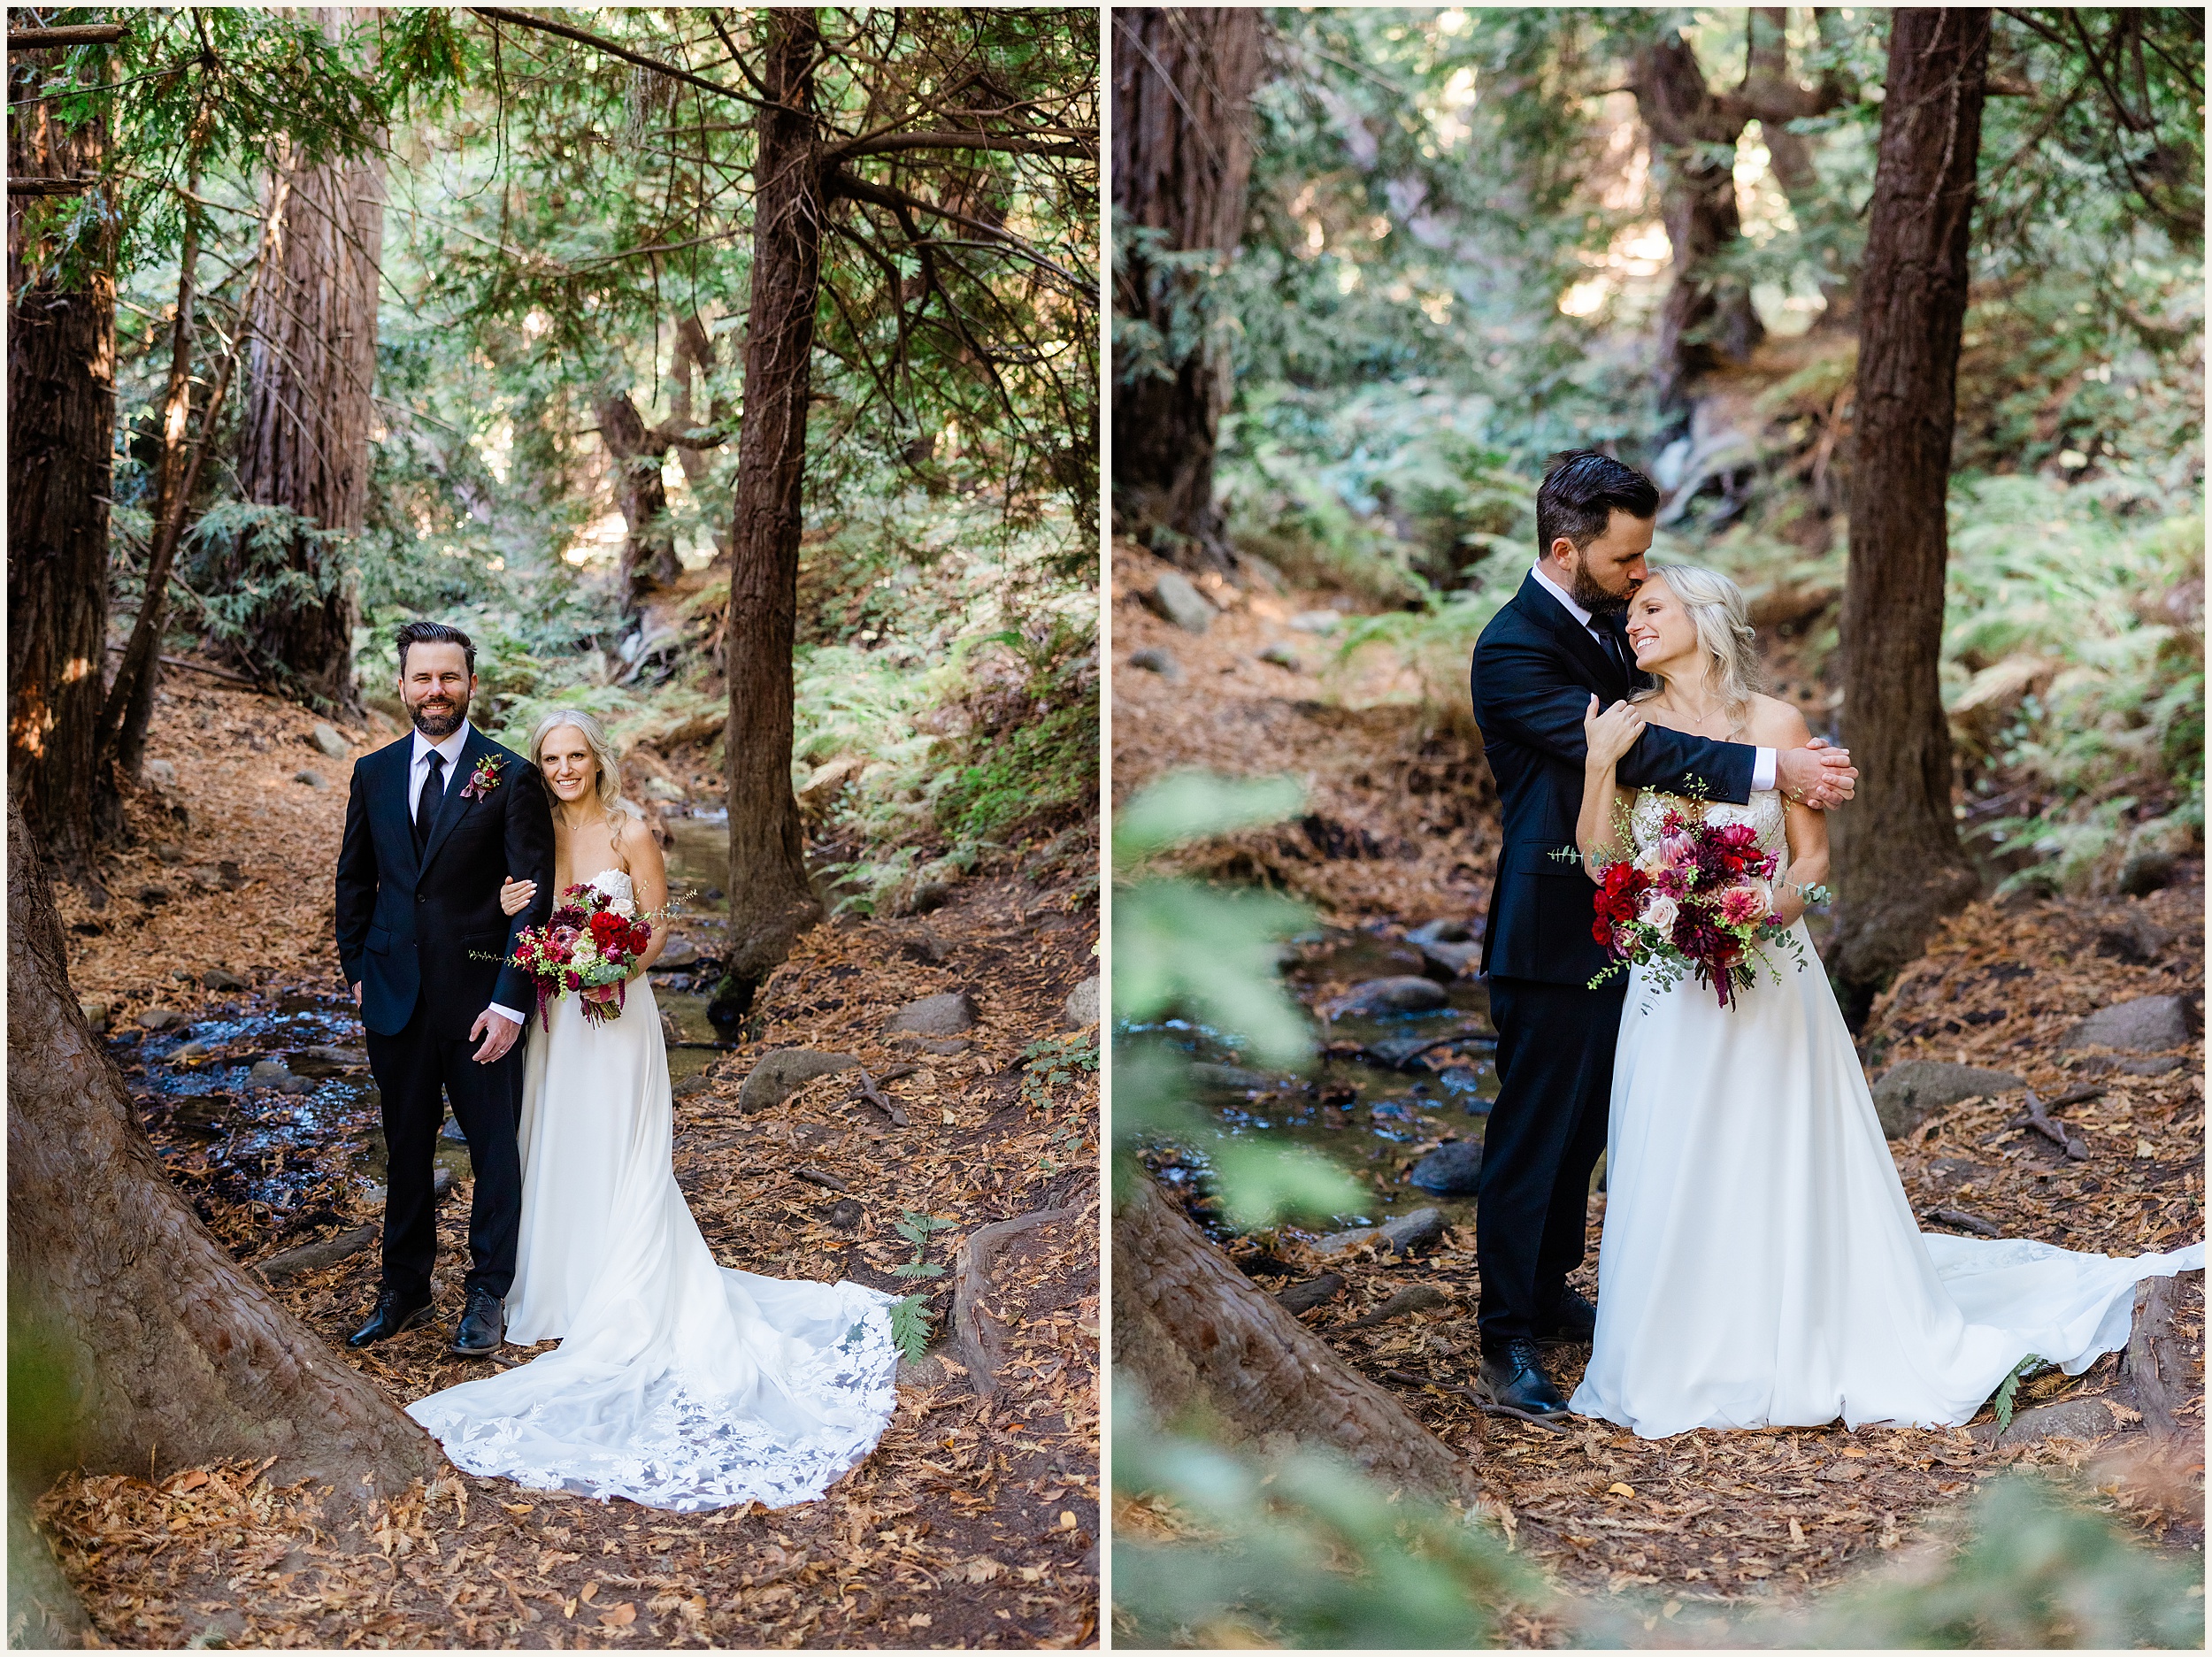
[677,1383]
[1761,1265]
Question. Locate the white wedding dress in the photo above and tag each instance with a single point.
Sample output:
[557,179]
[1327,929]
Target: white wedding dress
[677,1383]
[1761,1265]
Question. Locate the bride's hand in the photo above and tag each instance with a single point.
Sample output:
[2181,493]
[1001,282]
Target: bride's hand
[515,895]
[1611,733]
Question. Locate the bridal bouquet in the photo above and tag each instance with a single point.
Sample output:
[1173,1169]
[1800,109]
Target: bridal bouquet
[589,948]
[1690,905]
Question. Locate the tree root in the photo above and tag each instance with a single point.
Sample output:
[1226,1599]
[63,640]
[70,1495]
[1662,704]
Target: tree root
[975,1343]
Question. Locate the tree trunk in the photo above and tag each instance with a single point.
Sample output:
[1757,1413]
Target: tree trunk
[61,429]
[1898,864]
[770,901]
[1707,318]
[649,551]
[1183,83]
[303,433]
[149,1347]
[1194,1333]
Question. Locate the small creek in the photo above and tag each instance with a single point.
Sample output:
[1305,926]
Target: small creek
[310,1116]
[1367,1102]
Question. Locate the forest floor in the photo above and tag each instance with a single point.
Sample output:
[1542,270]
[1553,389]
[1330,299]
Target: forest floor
[1708,1520]
[974,1524]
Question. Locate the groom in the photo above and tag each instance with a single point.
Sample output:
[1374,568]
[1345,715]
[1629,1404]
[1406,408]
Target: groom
[1562,640]
[435,822]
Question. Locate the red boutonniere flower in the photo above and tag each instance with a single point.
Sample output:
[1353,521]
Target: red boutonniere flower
[483,779]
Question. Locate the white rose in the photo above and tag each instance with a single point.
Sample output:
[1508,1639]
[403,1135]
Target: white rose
[1659,912]
[619,900]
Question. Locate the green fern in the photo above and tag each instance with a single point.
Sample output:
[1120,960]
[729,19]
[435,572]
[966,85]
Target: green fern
[910,1326]
[2008,1389]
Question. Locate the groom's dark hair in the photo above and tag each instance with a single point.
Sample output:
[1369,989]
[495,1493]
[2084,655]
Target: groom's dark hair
[435,632]
[1581,489]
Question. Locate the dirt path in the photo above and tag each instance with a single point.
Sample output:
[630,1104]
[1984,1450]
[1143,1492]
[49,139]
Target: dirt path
[1711,1517]
[974,1523]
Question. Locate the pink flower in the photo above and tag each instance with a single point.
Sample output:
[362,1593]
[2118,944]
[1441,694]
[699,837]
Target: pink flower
[1675,850]
[1659,912]
[1742,906]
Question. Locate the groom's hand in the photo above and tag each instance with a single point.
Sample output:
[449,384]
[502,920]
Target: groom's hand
[1817,775]
[499,1034]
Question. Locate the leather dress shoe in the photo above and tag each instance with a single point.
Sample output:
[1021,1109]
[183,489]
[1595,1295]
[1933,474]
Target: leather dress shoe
[394,1312]
[483,1325]
[1515,1377]
[1572,1318]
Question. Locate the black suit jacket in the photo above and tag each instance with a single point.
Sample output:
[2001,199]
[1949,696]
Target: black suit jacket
[410,928]
[1534,670]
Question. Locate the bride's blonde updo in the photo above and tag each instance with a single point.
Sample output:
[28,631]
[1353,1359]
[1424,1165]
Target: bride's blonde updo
[1717,609]
[609,786]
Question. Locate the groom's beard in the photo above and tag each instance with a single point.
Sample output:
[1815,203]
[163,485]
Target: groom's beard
[438,718]
[1594,598]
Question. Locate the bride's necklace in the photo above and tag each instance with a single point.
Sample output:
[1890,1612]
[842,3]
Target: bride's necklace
[1698,721]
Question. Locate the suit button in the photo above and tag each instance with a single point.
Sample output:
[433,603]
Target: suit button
[422,897]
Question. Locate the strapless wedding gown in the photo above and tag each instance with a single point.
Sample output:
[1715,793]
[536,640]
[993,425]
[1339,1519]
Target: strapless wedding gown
[677,1383]
[1761,1265]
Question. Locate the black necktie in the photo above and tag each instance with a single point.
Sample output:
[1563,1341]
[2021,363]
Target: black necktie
[1611,641]
[426,804]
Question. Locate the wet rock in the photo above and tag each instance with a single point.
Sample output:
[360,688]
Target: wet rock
[678,952]
[1440,932]
[1408,1234]
[161,1018]
[216,978]
[2150,1023]
[1378,996]
[782,1073]
[1080,1009]
[1303,1297]
[1450,961]
[207,1114]
[190,1054]
[945,1015]
[97,1014]
[332,745]
[1450,1170]
[1910,1094]
[1316,621]
[1174,597]
[2135,940]
[313,778]
[1229,1077]
[1282,656]
[844,1214]
[161,774]
[1156,660]
[451,1132]
[691,1084]
[269,1073]
[329,1061]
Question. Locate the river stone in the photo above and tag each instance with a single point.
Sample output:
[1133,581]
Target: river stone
[782,1073]
[1318,621]
[2136,939]
[97,1014]
[1408,995]
[1302,1296]
[945,1015]
[1424,1228]
[1175,598]
[2150,1023]
[190,1053]
[216,978]
[1080,1009]
[1450,1170]
[161,774]
[327,1061]
[160,1018]
[1229,1077]
[1155,660]
[313,778]
[332,745]
[268,1073]
[677,952]
[1452,960]
[1280,654]
[1440,932]
[1910,1094]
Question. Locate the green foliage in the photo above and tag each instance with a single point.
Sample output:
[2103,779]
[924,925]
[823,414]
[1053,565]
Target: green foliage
[918,1229]
[1047,1064]
[910,1322]
[2008,1389]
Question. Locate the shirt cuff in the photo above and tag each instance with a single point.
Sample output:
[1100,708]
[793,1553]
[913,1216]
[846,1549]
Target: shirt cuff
[1762,771]
[508,1012]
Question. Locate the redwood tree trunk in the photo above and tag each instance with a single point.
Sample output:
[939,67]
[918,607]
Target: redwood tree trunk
[303,432]
[649,551]
[1183,83]
[61,428]
[1898,860]
[1191,1329]
[154,1351]
[770,901]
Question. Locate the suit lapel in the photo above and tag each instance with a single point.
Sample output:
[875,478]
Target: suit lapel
[1605,673]
[452,805]
[389,800]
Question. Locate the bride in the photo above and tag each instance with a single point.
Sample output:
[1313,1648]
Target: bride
[1760,1265]
[677,1383]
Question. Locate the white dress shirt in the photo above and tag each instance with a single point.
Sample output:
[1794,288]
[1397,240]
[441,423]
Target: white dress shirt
[1762,765]
[418,773]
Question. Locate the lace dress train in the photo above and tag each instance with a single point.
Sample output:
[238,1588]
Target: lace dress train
[677,1383]
[1761,1265]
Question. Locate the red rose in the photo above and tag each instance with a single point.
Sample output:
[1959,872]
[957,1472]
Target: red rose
[641,938]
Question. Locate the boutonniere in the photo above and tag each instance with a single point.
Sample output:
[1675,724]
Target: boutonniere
[483,779]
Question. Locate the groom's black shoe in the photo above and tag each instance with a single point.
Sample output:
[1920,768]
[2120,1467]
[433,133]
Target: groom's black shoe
[1515,1378]
[1572,1318]
[394,1313]
[483,1325]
